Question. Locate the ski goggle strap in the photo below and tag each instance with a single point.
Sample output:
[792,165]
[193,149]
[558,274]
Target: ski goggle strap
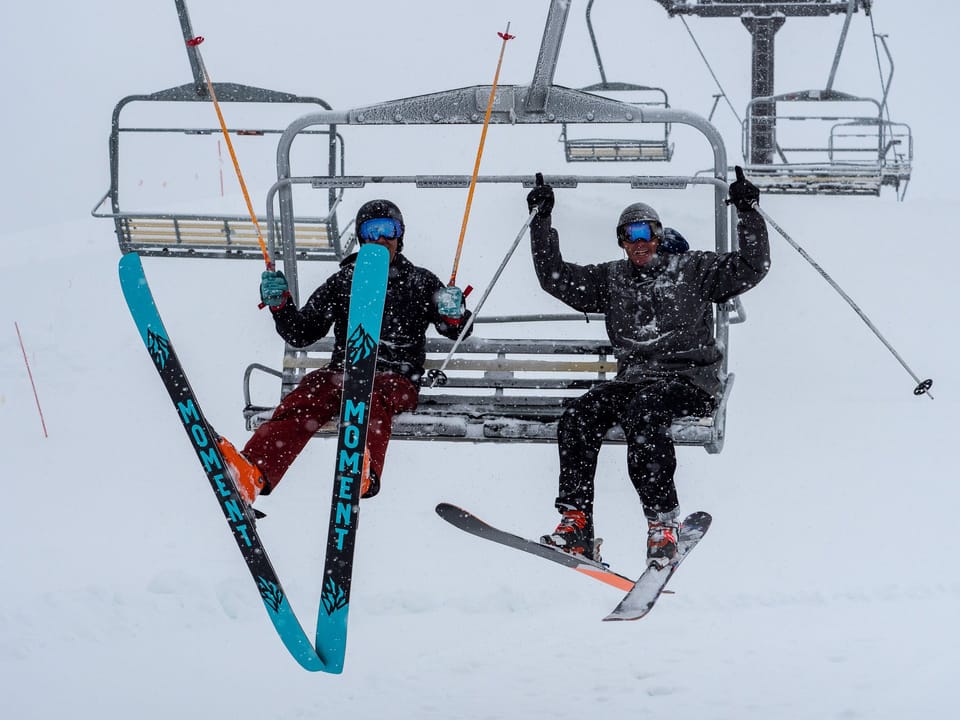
[641,231]
[377,228]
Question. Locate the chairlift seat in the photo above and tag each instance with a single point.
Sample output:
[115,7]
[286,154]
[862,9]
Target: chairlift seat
[216,237]
[816,179]
[622,149]
[608,149]
[500,390]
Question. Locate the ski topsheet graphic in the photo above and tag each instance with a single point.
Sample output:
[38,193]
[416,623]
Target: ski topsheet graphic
[331,640]
[641,594]
[367,296]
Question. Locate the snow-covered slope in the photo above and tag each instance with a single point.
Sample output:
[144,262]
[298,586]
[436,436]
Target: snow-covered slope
[826,588]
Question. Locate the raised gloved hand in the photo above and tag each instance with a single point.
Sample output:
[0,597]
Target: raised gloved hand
[450,304]
[743,193]
[273,289]
[541,197]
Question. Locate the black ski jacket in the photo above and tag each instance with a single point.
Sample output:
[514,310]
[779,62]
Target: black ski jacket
[409,309]
[658,317]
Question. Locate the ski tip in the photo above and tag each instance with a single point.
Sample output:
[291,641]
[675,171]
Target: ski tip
[699,519]
[446,510]
[128,260]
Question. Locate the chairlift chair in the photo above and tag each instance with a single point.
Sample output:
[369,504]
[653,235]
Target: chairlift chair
[200,235]
[619,149]
[509,389]
[500,389]
[205,235]
[850,152]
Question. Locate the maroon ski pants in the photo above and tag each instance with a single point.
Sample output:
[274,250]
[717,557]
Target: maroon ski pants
[276,444]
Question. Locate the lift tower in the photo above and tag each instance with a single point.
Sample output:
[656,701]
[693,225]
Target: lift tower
[763,18]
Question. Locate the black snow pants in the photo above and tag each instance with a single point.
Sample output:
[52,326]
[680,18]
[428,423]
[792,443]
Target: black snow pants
[645,411]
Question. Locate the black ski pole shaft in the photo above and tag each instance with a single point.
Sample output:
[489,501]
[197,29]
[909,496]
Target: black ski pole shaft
[923,386]
[486,293]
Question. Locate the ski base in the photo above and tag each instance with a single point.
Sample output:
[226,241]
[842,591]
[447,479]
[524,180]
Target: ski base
[644,594]
[468,522]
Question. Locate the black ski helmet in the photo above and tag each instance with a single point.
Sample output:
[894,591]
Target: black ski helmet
[380,209]
[640,212]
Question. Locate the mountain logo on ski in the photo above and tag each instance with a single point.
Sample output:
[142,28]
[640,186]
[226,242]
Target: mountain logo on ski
[360,345]
[271,593]
[159,348]
[333,597]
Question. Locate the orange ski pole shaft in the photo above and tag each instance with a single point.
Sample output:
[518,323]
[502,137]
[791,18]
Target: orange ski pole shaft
[476,166]
[194,43]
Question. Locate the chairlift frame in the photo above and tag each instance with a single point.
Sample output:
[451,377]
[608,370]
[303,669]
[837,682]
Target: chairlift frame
[608,149]
[163,234]
[861,154]
[499,389]
[883,159]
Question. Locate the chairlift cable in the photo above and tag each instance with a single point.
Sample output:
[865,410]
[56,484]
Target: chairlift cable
[476,166]
[923,386]
[710,69]
[194,43]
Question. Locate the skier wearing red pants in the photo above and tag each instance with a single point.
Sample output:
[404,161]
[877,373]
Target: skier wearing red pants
[415,299]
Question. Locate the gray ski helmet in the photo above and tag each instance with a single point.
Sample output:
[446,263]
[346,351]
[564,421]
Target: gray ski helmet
[639,212]
[381,209]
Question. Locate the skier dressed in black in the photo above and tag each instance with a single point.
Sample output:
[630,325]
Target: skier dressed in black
[658,313]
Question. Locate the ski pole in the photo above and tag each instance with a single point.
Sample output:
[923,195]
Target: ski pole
[436,374]
[476,165]
[923,386]
[195,43]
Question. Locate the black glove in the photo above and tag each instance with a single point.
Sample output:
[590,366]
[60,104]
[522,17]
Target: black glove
[673,242]
[540,197]
[743,193]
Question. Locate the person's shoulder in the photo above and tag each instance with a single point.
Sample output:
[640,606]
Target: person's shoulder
[349,261]
[406,266]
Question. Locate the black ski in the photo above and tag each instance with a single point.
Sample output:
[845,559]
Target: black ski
[648,588]
[470,523]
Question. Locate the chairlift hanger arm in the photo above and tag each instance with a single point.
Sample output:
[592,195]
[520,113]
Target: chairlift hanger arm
[725,8]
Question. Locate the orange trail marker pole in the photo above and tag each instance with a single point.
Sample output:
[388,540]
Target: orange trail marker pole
[30,375]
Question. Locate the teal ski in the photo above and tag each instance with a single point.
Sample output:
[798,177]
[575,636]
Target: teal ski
[367,296]
[140,300]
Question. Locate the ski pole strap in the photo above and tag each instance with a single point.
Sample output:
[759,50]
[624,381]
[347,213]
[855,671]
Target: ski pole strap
[923,386]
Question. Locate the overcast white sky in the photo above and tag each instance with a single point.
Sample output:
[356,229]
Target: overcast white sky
[64,69]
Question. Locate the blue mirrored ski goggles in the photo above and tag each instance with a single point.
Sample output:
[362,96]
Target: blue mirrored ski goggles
[641,231]
[377,228]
